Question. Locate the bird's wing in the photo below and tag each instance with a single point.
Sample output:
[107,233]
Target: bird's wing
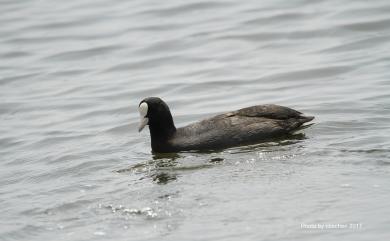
[268,111]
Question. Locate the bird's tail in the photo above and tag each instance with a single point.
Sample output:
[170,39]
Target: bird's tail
[305,119]
[297,123]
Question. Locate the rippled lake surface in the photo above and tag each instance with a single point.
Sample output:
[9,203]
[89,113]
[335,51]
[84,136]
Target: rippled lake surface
[74,167]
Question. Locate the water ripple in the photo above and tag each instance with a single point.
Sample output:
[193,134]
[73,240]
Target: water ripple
[72,74]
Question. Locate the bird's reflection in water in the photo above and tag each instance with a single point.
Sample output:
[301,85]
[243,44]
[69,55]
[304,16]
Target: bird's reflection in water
[164,177]
[164,164]
[161,169]
[164,168]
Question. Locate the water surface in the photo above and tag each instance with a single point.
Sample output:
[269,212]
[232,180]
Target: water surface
[73,166]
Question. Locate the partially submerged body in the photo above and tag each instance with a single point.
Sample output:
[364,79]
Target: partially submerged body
[244,126]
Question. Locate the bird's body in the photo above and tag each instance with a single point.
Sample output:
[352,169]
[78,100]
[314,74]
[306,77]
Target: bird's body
[244,126]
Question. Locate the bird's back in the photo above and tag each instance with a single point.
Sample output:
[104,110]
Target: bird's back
[243,126]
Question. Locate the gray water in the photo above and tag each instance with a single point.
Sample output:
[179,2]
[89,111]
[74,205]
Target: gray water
[74,167]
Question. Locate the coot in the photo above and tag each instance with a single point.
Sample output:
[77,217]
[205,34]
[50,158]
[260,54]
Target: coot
[243,126]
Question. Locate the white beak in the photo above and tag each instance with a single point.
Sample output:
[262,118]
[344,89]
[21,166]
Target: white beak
[143,123]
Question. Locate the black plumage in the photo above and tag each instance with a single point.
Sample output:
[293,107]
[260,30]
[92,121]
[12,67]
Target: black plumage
[243,126]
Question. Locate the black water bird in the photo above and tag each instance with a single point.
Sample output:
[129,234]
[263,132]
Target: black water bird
[244,126]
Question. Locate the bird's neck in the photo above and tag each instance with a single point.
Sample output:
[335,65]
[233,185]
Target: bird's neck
[161,132]
[162,129]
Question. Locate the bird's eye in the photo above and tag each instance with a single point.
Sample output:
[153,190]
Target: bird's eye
[143,109]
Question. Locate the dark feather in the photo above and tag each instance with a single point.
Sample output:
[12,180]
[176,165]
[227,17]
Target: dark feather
[244,126]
